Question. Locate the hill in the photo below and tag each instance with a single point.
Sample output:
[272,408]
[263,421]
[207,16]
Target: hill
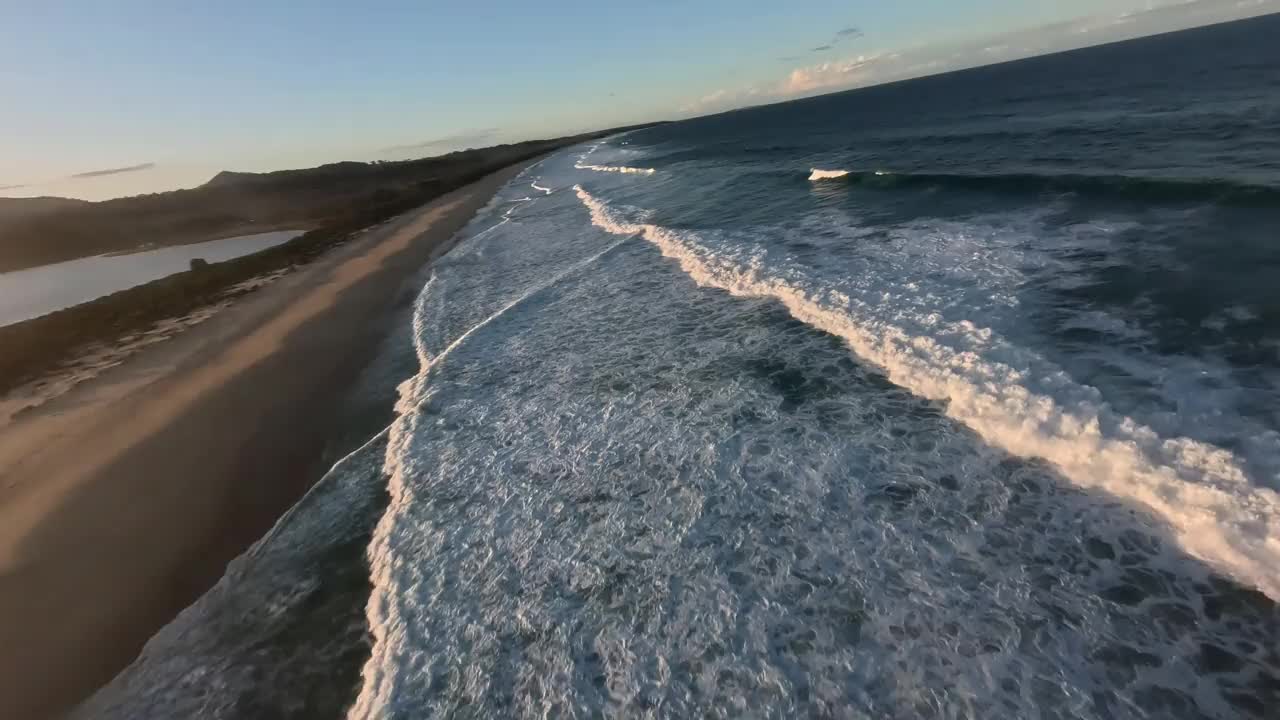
[14,209]
[40,231]
[39,345]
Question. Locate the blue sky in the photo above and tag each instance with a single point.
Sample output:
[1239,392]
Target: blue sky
[169,95]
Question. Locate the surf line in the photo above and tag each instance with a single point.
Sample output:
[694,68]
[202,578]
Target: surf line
[1213,511]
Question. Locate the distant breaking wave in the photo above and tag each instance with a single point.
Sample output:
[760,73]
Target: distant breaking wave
[1147,189]
[582,164]
[815,174]
[1201,490]
[827,174]
[615,169]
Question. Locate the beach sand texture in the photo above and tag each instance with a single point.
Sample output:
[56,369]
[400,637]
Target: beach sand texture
[122,500]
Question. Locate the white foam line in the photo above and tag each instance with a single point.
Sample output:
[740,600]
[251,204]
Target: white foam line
[506,216]
[429,362]
[382,611]
[536,186]
[582,164]
[615,169]
[491,228]
[525,172]
[1213,511]
[306,499]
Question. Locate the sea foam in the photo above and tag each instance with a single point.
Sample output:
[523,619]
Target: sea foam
[582,164]
[1202,492]
[616,169]
[384,610]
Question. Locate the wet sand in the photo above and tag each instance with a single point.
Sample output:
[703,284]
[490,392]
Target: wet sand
[122,500]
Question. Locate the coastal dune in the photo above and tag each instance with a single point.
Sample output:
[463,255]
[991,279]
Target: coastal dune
[122,501]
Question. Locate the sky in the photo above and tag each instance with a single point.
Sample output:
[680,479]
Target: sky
[105,98]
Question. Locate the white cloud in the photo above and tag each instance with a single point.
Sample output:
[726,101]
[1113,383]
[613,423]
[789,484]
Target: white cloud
[812,79]
[830,75]
[714,98]
[725,99]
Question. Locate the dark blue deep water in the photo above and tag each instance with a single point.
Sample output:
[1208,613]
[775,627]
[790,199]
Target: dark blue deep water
[953,398]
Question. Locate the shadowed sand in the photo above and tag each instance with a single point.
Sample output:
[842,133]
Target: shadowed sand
[122,500]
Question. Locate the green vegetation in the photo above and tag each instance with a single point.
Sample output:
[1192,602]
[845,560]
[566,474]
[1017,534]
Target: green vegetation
[36,347]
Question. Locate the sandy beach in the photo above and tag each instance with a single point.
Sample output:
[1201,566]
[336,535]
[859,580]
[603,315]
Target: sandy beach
[122,500]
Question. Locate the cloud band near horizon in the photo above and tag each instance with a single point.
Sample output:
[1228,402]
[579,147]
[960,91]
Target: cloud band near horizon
[880,66]
[113,171]
[460,139]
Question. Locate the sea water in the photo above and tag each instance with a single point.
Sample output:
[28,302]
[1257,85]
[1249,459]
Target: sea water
[951,398]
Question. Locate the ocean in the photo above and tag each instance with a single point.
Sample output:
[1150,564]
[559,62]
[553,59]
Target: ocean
[955,398]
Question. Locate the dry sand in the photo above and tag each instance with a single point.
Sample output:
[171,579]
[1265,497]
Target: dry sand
[123,498]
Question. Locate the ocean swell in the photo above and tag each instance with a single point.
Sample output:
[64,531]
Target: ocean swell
[1145,189]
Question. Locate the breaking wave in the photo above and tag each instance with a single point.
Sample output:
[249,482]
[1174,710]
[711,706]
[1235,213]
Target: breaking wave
[817,174]
[616,169]
[582,164]
[1214,511]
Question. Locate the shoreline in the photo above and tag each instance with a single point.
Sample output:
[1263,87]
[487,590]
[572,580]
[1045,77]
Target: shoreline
[123,500]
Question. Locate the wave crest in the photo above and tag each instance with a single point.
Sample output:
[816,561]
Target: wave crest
[817,174]
[616,169]
[582,164]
